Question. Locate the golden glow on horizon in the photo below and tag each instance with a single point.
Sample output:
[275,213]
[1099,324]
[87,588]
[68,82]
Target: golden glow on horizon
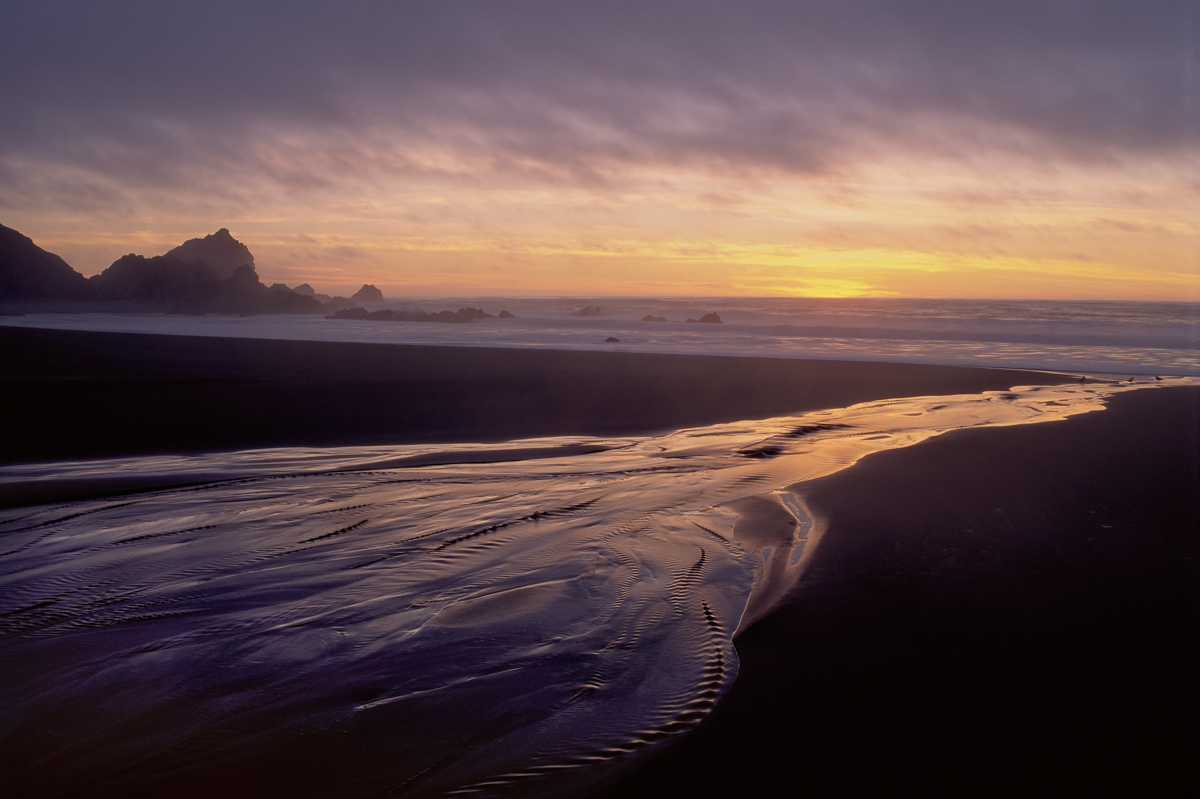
[901,227]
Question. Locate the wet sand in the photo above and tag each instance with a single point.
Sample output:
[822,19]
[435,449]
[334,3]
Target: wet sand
[1003,607]
[1005,601]
[83,394]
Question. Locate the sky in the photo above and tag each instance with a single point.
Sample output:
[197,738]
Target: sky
[921,149]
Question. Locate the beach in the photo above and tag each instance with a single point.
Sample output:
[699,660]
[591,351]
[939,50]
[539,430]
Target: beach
[998,608]
[973,606]
[98,394]
[529,400]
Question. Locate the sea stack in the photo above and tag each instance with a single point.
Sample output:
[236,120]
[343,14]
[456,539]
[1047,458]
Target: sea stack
[367,293]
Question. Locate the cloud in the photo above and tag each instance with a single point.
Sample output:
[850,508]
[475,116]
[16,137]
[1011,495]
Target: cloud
[113,103]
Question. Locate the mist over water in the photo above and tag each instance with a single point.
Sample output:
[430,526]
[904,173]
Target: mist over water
[1076,336]
[415,616]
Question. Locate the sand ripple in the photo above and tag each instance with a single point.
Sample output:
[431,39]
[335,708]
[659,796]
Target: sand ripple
[465,628]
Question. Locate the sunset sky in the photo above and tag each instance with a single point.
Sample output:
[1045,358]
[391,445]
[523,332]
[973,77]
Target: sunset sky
[927,149]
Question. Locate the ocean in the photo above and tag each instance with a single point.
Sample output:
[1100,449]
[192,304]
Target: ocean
[1104,338]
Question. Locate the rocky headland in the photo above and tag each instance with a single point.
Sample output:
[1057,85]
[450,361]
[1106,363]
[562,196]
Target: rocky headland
[214,274]
[27,272]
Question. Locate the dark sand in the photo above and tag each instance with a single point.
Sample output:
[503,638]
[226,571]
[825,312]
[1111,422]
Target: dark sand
[71,394]
[985,607]
[1015,607]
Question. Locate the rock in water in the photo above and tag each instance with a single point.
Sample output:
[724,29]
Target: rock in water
[708,319]
[349,313]
[611,340]
[591,310]
[461,315]
[335,304]
[388,315]
[649,318]
[506,315]
[367,293]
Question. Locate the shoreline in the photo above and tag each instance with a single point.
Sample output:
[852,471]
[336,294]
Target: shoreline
[933,340]
[90,395]
[968,593]
[1013,604]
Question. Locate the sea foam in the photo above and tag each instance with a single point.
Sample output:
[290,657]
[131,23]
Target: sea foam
[1096,337]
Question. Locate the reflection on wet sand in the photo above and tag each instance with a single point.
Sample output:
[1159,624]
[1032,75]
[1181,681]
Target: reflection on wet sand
[463,619]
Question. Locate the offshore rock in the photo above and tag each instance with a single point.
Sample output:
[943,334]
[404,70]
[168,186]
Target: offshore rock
[367,293]
[388,315]
[335,304]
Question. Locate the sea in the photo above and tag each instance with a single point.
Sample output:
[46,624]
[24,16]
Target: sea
[1077,336]
[528,618]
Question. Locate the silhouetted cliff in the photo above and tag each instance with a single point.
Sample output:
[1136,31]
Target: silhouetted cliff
[184,280]
[214,274]
[220,252]
[27,272]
